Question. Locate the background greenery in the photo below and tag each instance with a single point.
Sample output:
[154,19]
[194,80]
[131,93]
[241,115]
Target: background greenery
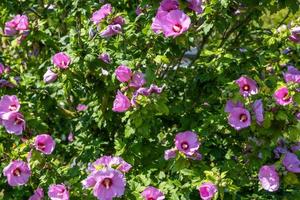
[194,97]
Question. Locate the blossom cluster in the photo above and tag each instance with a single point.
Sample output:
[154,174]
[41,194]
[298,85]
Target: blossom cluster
[135,81]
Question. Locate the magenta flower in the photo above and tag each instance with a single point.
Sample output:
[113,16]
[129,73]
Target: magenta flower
[44,143]
[17,173]
[61,60]
[258,109]
[123,73]
[138,80]
[121,103]
[295,34]
[10,28]
[90,181]
[187,142]
[282,96]
[168,5]
[13,122]
[21,22]
[111,30]
[170,153]
[58,192]
[239,118]
[292,75]
[38,194]
[195,5]
[247,86]
[9,104]
[102,13]
[173,23]
[105,58]
[2,68]
[291,162]
[71,137]
[18,23]
[207,190]
[269,178]
[110,184]
[152,193]
[81,107]
[49,76]
[146,92]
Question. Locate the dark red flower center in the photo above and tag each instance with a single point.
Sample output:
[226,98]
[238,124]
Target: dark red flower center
[18,120]
[107,182]
[177,28]
[246,87]
[12,107]
[150,198]
[184,145]
[286,97]
[243,118]
[17,172]
[41,146]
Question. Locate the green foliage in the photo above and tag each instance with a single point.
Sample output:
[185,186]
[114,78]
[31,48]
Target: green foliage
[193,99]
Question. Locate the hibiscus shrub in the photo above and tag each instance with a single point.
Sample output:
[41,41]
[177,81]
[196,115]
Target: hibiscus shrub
[171,99]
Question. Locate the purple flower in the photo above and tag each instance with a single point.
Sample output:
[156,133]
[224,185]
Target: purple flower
[123,73]
[138,80]
[207,190]
[187,142]
[110,183]
[269,178]
[292,75]
[9,104]
[118,20]
[230,105]
[17,173]
[247,86]
[295,34]
[105,58]
[195,5]
[291,162]
[111,30]
[13,122]
[10,28]
[38,194]
[195,156]
[279,150]
[121,103]
[58,192]
[81,107]
[295,147]
[170,153]
[138,10]
[90,181]
[152,193]
[44,143]
[146,92]
[168,5]
[239,118]
[49,76]
[173,23]
[61,60]
[110,162]
[258,109]
[282,96]
[102,13]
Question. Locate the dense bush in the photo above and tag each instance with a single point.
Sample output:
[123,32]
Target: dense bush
[184,96]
